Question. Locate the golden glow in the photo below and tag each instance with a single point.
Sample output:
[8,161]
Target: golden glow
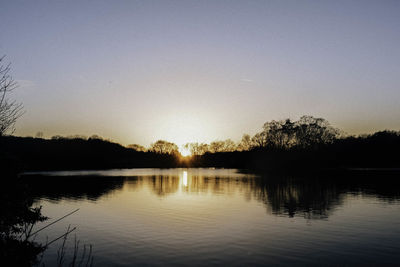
[184,151]
[181,127]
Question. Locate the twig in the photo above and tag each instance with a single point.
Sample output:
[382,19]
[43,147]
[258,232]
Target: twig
[83,255]
[89,255]
[68,232]
[52,223]
[61,250]
[76,249]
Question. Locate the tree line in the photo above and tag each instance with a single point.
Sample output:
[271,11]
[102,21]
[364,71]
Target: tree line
[308,132]
[279,144]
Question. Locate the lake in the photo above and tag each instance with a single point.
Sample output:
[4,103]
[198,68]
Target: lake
[153,217]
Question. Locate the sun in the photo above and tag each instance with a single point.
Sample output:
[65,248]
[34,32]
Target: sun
[184,151]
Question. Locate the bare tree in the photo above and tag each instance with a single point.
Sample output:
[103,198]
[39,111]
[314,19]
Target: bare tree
[279,134]
[259,140]
[229,145]
[164,147]
[222,146]
[10,110]
[217,146]
[245,144]
[312,131]
[307,132]
[197,149]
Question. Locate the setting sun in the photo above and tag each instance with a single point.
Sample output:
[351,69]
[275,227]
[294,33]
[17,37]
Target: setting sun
[184,151]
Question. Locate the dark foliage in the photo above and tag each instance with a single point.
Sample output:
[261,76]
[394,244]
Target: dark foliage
[78,153]
[379,150]
[17,218]
[318,148]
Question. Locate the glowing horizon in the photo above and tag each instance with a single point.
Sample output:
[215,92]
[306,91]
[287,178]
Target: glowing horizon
[186,72]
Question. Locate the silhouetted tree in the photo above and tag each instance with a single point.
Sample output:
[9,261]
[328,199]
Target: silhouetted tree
[259,140]
[197,149]
[96,137]
[222,146]
[164,147]
[246,143]
[216,146]
[279,134]
[305,133]
[10,110]
[137,147]
[229,145]
[77,136]
[312,131]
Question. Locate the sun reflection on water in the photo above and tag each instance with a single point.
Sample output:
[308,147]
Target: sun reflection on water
[184,179]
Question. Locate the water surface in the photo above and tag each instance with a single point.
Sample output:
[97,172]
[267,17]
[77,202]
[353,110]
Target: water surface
[222,217]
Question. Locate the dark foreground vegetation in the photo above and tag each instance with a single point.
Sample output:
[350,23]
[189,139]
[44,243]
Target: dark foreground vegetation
[310,143]
[17,217]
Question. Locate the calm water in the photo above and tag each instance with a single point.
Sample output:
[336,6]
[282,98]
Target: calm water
[223,217]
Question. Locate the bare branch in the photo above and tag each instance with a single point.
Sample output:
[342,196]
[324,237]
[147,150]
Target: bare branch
[10,110]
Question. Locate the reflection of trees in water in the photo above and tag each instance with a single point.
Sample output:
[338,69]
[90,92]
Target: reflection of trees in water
[281,195]
[288,196]
[72,187]
[314,197]
[163,185]
[310,197]
[216,185]
[385,187]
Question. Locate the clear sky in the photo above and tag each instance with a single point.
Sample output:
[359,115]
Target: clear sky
[138,71]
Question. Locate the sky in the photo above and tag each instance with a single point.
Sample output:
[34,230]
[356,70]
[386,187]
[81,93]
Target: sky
[198,71]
